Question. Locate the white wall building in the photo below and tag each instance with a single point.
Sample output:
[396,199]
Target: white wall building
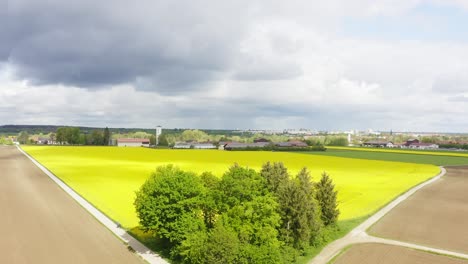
[182,145]
[133,142]
[203,146]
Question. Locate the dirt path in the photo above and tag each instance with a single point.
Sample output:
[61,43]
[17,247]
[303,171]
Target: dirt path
[387,254]
[40,223]
[435,216]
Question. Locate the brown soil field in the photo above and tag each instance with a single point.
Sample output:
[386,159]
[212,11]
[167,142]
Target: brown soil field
[435,216]
[40,223]
[372,253]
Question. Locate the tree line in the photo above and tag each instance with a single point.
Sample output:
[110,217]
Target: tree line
[243,217]
[73,136]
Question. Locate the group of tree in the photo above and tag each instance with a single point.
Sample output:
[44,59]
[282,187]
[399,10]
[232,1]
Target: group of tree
[23,137]
[73,136]
[5,141]
[243,217]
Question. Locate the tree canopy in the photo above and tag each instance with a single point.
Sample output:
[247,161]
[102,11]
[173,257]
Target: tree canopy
[243,217]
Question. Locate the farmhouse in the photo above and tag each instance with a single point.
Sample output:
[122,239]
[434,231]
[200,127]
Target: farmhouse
[203,146]
[415,144]
[411,141]
[423,146]
[192,145]
[379,144]
[235,145]
[292,144]
[182,145]
[133,142]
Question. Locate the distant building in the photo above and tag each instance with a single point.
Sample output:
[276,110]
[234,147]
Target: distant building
[423,146]
[416,144]
[182,145]
[133,142]
[292,144]
[203,146]
[235,145]
[261,140]
[411,141]
[378,144]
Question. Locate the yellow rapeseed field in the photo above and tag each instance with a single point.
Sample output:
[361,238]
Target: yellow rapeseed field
[109,176]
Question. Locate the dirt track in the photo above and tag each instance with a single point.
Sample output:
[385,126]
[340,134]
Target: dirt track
[386,254]
[436,215]
[40,223]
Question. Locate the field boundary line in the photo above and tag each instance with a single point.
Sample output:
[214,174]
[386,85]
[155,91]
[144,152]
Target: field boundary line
[444,252]
[359,234]
[121,233]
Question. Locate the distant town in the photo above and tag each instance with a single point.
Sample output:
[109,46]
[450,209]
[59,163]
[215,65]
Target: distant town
[250,139]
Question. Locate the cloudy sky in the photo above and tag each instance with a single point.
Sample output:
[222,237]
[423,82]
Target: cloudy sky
[266,64]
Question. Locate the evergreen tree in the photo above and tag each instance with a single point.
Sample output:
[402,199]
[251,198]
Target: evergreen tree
[311,206]
[107,137]
[299,210]
[275,175]
[326,196]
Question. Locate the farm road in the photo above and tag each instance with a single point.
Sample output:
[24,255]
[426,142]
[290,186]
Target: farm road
[437,189]
[40,223]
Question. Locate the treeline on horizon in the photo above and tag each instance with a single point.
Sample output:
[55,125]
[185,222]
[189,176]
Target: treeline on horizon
[76,136]
[243,217]
[46,129]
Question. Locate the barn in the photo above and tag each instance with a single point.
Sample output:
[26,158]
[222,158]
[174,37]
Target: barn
[133,142]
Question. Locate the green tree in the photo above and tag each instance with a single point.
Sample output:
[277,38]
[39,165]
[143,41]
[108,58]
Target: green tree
[239,185]
[163,140]
[209,203]
[310,206]
[336,141]
[326,196]
[298,208]
[84,139]
[255,223]
[60,135]
[152,140]
[168,204]
[275,175]
[107,137]
[23,137]
[218,246]
[195,135]
[96,138]
[73,135]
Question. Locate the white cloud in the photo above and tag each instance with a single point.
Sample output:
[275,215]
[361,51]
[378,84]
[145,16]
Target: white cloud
[245,64]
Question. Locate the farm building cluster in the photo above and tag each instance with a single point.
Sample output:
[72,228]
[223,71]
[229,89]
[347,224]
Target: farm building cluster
[409,144]
[232,145]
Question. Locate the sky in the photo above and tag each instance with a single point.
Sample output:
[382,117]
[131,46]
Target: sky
[398,65]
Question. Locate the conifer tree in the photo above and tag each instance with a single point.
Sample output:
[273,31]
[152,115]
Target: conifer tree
[275,175]
[326,196]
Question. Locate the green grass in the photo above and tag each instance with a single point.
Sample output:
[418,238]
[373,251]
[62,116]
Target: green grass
[407,151]
[389,155]
[334,233]
[109,176]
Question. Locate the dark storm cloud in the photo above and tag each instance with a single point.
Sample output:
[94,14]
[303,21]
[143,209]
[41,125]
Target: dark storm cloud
[168,45]
[4,43]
